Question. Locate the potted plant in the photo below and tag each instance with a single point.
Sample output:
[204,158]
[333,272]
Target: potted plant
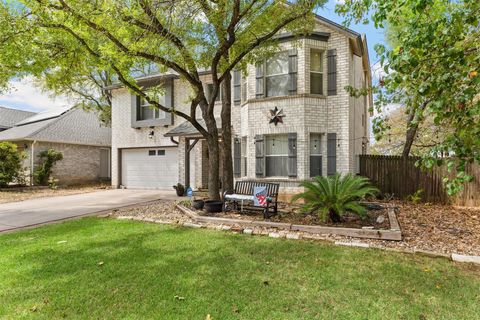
[212,206]
[198,204]
[180,189]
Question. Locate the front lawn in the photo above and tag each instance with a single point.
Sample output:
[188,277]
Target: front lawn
[99,268]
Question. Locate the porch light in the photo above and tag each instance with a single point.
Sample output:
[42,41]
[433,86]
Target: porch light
[151,134]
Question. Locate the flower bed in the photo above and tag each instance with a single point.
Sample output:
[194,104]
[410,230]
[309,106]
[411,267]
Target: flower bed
[375,219]
[386,228]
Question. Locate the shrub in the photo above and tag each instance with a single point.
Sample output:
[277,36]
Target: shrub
[330,197]
[49,158]
[416,197]
[10,164]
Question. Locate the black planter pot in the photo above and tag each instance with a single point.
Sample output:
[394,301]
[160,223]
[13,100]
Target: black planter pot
[212,206]
[198,204]
[180,189]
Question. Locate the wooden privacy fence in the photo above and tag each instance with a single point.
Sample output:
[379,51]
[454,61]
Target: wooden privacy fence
[400,177]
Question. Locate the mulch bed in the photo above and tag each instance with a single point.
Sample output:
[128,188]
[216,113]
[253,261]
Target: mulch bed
[296,217]
[440,228]
[437,228]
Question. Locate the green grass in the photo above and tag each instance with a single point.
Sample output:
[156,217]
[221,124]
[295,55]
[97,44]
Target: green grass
[228,276]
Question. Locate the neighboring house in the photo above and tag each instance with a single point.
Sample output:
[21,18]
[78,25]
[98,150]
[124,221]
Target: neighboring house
[321,132]
[78,134]
[9,117]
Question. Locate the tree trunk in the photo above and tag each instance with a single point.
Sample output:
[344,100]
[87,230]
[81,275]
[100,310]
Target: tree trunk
[213,158]
[413,120]
[410,135]
[226,114]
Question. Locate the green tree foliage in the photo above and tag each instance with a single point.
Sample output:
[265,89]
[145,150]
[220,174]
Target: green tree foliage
[184,37]
[331,197]
[10,164]
[392,139]
[432,68]
[44,171]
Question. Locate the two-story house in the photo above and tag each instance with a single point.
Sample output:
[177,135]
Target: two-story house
[292,118]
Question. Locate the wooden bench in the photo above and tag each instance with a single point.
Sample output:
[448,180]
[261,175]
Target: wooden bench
[244,192]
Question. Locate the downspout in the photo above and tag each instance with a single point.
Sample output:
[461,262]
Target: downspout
[32,161]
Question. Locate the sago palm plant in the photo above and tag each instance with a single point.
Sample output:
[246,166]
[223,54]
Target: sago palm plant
[334,195]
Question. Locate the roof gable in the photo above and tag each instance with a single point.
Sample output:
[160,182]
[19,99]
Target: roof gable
[74,126]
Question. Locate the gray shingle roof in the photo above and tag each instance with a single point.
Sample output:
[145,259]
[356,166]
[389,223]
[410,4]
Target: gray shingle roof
[187,129]
[10,117]
[75,126]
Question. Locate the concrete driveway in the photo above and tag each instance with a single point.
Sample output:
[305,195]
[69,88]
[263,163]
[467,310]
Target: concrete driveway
[16,215]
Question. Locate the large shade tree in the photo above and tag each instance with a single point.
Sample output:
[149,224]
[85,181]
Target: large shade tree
[118,36]
[432,68]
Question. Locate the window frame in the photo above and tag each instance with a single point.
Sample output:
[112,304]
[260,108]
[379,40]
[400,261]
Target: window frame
[283,156]
[144,104]
[243,156]
[315,155]
[243,88]
[267,76]
[322,72]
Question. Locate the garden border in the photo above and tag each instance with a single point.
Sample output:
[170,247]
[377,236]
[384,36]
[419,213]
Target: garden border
[394,233]
[297,235]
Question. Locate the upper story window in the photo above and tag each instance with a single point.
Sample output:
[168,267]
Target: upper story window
[143,114]
[316,71]
[277,77]
[148,112]
[244,88]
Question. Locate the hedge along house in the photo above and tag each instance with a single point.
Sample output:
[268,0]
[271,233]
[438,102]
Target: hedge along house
[292,119]
[79,135]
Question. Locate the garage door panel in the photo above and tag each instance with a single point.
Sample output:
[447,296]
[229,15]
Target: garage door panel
[142,170]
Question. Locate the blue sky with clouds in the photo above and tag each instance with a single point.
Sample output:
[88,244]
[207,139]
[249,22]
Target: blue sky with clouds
[26,96]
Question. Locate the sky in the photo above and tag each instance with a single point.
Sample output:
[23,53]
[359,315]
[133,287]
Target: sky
[25,95]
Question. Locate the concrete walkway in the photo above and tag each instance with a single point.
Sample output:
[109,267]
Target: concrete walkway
[28,213]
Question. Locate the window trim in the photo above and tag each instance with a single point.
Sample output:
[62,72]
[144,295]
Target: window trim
[322,58]
[243,88]
[166,120]
[315,155]
[283,155]
[145,104]
[287,75]
[243,156]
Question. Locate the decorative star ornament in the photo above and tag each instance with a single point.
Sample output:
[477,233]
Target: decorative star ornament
[276,116]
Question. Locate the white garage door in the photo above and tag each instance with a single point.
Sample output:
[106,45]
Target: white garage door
[152,168]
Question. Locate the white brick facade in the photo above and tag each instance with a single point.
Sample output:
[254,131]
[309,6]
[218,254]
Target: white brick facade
[305,113]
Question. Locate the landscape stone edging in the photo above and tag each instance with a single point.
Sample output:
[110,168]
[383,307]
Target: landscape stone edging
[391,234]
[297,236]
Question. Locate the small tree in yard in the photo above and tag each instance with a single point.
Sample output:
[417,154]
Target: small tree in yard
[10,163]
[331,197]
[49,158]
